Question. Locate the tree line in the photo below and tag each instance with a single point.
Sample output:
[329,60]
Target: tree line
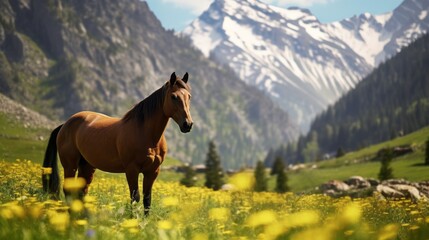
[215,175]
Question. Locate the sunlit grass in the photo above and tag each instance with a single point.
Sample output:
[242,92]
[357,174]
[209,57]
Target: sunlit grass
[196,213]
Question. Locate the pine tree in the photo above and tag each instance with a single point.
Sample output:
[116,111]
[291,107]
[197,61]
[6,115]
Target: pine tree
[214,172]
[386,172]
[340,152]
[261,184]
[281,183]
[189,179]
[427,153]
[278,166]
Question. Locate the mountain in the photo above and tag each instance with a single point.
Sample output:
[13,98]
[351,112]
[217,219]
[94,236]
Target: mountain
[62,56]
[302,64]
[391,101]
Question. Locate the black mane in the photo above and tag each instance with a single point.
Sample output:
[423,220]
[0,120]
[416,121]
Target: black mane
[147,106]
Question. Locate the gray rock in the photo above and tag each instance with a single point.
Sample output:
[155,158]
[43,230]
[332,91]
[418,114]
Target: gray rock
[389,192]
[357,182]
[408,191]
[334,185]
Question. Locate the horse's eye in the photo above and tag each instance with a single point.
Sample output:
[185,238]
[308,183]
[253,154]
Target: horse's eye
[174,97]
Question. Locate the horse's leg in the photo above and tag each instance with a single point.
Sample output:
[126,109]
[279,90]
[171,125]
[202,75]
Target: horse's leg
[132,174]
[85,171]
[148,180]
[70,165]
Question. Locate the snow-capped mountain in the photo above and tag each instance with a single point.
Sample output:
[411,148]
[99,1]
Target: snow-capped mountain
[302,64]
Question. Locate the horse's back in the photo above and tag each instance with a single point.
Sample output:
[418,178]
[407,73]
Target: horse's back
[93,136]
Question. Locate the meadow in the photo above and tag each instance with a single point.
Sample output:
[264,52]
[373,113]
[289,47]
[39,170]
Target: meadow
[196,213]
[26,212]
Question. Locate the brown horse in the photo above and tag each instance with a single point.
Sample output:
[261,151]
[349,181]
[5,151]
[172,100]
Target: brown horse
[132,145]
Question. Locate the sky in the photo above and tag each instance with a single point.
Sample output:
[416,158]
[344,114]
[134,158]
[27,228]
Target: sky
[177,14]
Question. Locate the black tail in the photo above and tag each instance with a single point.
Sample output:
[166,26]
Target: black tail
[51,183]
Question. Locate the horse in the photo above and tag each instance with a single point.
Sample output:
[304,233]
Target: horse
[132,144]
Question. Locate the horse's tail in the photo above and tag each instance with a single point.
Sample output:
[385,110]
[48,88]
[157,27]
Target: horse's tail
[51,182]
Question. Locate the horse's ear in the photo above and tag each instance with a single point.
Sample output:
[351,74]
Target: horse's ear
[173,78]
[185,77]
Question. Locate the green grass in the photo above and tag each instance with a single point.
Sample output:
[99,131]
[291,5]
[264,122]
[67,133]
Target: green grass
[359,163]
[415,139]
[19,142]
[408,167]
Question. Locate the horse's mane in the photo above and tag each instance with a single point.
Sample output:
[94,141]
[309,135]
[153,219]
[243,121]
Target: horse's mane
[147,106]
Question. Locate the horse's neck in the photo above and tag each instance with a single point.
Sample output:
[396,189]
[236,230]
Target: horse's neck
[153,127]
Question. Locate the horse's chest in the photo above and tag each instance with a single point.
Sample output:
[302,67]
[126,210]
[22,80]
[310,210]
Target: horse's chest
[151,158]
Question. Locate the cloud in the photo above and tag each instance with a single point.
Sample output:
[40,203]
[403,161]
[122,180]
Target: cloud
[194,6]
[300,3]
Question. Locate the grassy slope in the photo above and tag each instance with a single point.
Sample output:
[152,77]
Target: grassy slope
[19,142]
[358,163]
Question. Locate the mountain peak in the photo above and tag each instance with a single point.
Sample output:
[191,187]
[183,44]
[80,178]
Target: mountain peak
[302,64]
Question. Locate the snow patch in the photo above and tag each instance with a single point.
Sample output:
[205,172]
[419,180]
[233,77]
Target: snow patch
[423,15]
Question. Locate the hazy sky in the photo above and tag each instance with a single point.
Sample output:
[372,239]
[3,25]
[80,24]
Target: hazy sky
[176,14]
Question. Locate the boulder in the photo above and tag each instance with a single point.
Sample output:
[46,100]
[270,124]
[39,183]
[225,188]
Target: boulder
[395,182]
[374,182]
[423,189]
[389,192]
[358,187]
[358,182]
[408,191]
[334,185]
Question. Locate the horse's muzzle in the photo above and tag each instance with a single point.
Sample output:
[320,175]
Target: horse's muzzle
[186,127]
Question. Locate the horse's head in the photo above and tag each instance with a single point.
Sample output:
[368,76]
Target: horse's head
[177,102]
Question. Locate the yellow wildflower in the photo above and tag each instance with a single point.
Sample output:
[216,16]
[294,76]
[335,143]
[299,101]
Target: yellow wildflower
[6,213]
[389,231]
[36,210]
[242,181]
[81,222]
[76,206]
[301,219]
[170,201]
[352,213]
[130,223]
[219,214]
[74,184]
[165,224]
[261,218]
[200,236]
[60,221]
[46,170]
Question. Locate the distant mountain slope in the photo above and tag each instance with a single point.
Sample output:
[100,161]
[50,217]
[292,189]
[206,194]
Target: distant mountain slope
[303,64]
[391,101]
[60,57]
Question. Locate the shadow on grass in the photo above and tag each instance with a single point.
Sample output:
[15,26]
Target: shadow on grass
[419,165]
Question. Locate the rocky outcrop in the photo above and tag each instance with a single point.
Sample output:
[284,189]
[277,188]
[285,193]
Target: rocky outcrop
[357,186]
[23,115]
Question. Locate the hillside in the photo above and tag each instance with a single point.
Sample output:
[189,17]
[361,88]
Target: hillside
[392,101]
[23,132]
[60,57]
[362,163]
